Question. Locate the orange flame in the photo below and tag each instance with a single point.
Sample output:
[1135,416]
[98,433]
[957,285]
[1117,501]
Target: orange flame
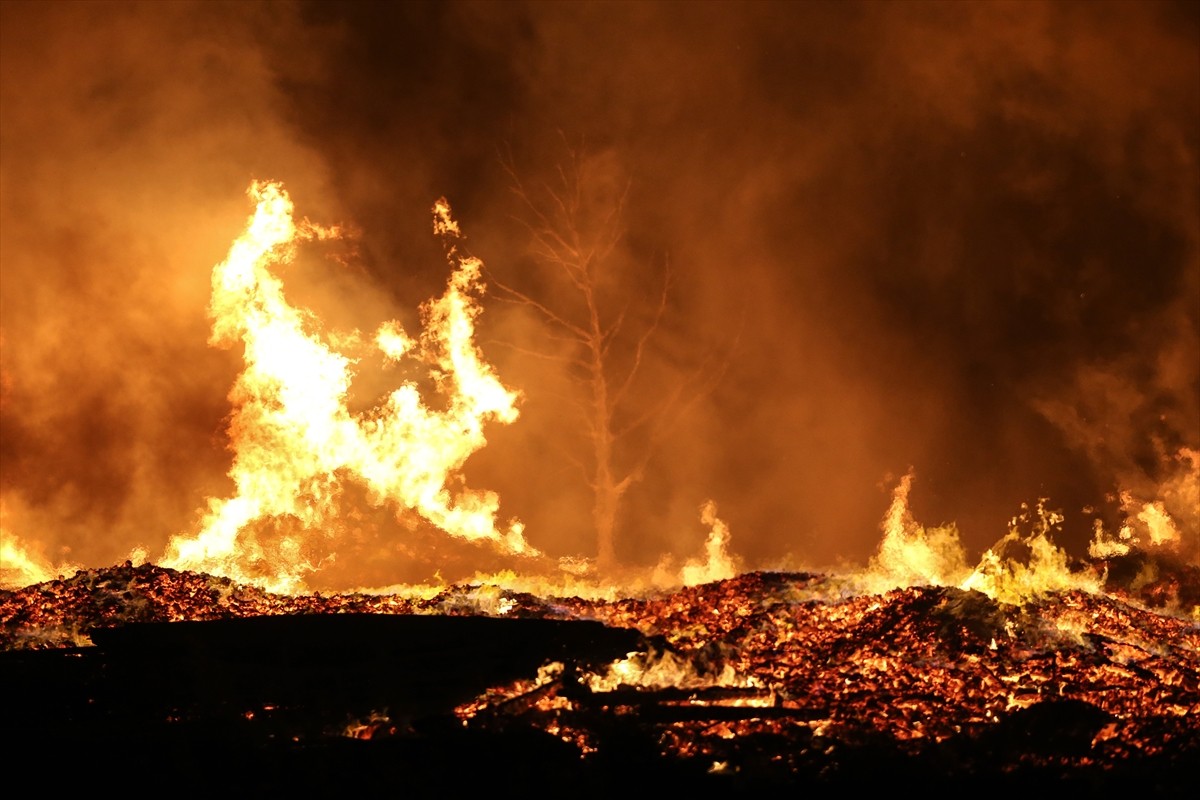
[1023,565]
[297,444]
[1026,564]
[718,564]
[1171,522]
[911,554]
[21,566]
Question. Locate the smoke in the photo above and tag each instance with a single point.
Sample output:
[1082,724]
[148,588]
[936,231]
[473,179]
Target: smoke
[130,133]
[958,238]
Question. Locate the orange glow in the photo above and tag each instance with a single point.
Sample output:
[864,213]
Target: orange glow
[1026,564]
[911,554]
[718,564]
[297,445]
[1152,523]
[21,567]
[1023,565]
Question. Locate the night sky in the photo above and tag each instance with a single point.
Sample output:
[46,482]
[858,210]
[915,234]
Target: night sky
[961,238]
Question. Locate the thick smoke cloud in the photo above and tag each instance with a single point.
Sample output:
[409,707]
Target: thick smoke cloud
[958,238]
[130,133]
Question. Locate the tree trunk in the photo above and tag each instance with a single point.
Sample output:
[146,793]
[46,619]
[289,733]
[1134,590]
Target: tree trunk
[604,517]
[607,491]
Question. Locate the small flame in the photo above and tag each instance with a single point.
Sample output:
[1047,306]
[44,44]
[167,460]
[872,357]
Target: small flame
[718,564]
[911,554]
[296,444]
[20,566]
[1170,522]
[1025,565]
[665,669]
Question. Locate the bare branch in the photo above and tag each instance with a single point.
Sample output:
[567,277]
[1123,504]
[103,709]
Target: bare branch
[545,231]
[699,384]
[577,463]
[610,335]
[643,340]
[525,351]
[516,296]
[572,460]
[656,411]
[572,340]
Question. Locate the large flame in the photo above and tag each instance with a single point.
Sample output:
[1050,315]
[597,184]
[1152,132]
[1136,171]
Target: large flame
[298,448]
[297,444]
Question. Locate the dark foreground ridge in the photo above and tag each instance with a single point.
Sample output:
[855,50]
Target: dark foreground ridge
[761,683]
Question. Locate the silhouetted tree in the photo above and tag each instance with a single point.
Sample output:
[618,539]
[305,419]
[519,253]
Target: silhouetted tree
[603,328]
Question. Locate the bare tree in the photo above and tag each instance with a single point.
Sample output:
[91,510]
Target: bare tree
[603,331]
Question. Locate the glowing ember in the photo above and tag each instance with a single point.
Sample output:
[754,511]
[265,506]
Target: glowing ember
[782,677]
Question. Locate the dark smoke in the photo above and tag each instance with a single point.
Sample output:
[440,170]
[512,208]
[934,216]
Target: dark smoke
[958,237]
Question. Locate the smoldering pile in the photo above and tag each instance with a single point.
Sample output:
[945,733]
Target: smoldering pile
[762,681]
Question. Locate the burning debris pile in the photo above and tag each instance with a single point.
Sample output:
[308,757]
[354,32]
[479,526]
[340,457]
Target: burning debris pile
[797,249]
[766,679]
[1026,670]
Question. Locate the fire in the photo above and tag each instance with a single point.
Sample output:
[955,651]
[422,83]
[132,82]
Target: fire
[718,564]
[297,446]
[21,567]
[1022,566]
[657,670]
[1161,523]
[302,454]
[911,554]
[1026,565]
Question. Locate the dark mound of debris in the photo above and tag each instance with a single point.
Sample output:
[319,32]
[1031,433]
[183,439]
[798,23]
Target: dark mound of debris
[765,682]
